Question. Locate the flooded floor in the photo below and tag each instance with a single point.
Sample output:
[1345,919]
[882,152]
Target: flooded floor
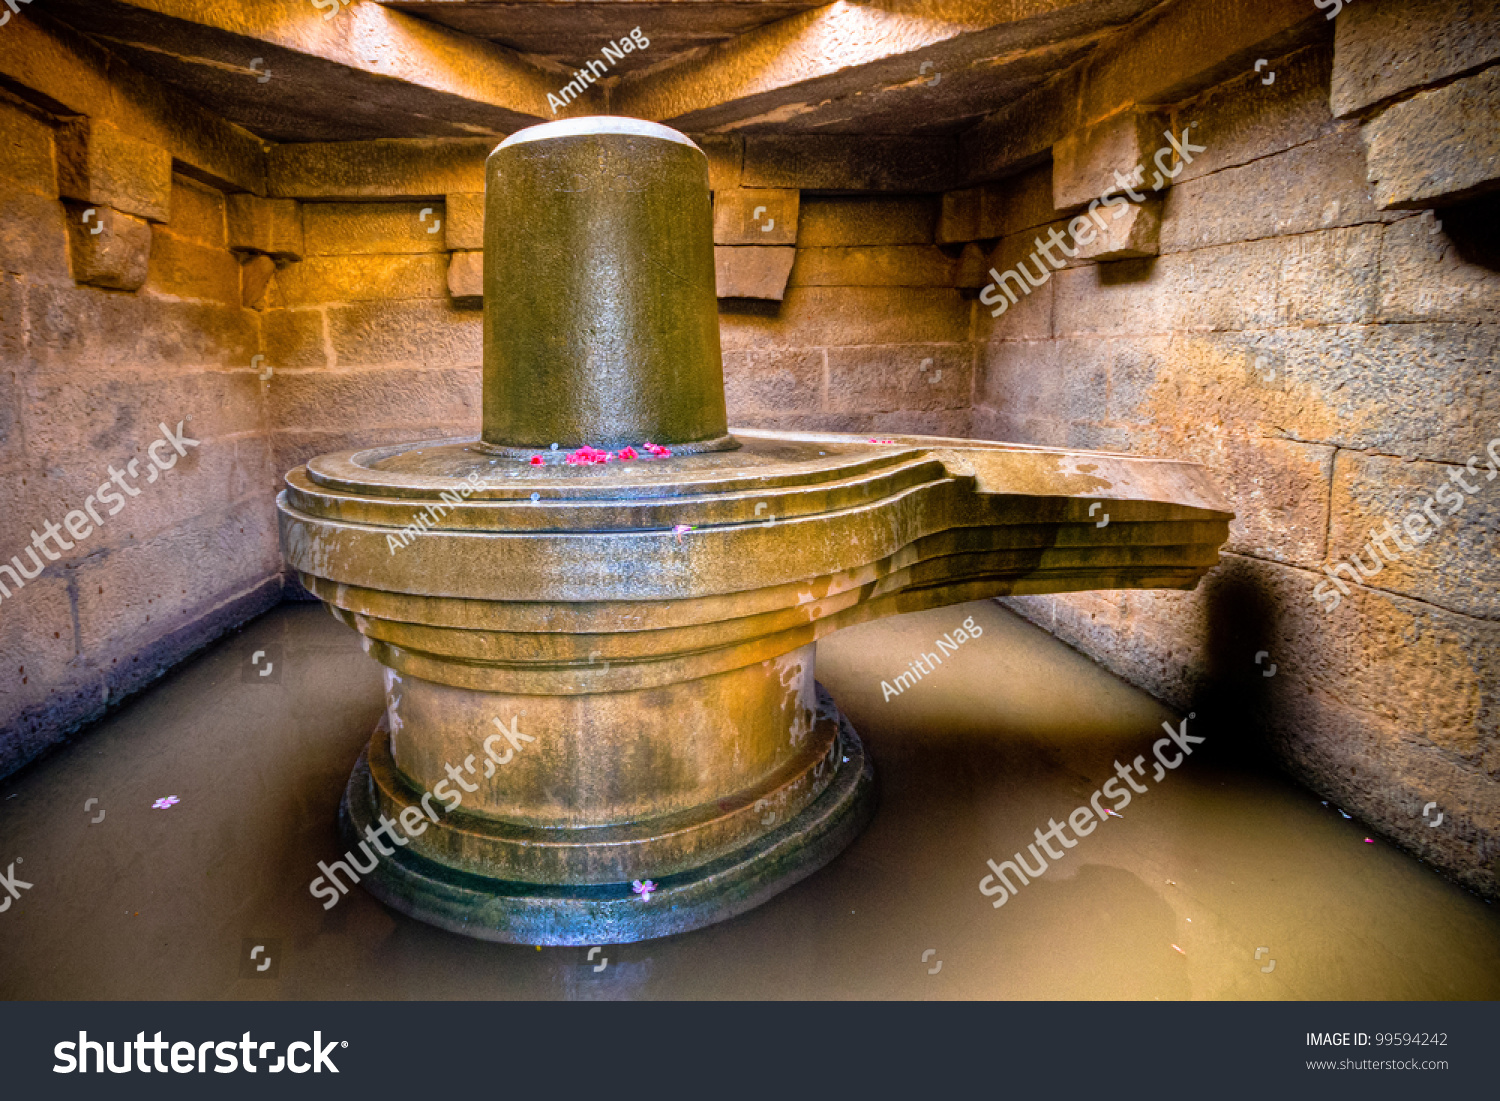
[1220,882]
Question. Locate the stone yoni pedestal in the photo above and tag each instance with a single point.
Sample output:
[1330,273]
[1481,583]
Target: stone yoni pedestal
[601,674]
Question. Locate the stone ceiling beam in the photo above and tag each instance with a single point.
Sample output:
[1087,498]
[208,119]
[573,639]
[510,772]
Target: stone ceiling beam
[1168,57]
[1187,47]
[776,72]
[62,72]
[388,73]
[395,169]
[573,32]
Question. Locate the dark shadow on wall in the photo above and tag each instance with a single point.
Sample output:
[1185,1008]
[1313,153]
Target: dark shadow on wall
[1119,272]
[1474,231]
[749,307]
[1233,697]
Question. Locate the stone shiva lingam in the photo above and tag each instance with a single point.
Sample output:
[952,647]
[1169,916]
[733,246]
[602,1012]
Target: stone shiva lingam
[598,618]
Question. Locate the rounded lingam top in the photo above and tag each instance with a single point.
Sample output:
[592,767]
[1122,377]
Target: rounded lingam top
[597,124]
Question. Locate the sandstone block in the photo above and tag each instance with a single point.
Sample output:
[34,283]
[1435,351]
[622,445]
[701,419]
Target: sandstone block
[466,277]
[33,240]
[1428,275]
[1021,378]
[12,345]
[117,423]
[959,220]
[383,169]
[272,226]
[361,229]
[986,424]
[294,338]
[1448,561]
[756,216]
[1020,134]
[146,591]
[899,378]
[1422,668]
[992,424]
[75,413]
[1020,203]
[1243,120]
[65,67]
[26,160]
[430,333]
[118,256]
[1392,389]
[828,317]
[1054,379]
[198,213]
[1084,163]
[1253,201]
[751,271]
[956,423]
[1329,278]
[890,266]
[848,163]
[98,163]
[1438,147]
[1135,234]
[220,470]
[1279,489]
[992,201]
[972,270]
[36,656]
[1091,436]
[1385,48]
[388,399]
[1029,317]
[58,64]
[1189,48]
[726,154]
[827,221]
[255,277]
[464,219]
[1142,372]
[320,279]
[772,381]
[187,270]
[78,328]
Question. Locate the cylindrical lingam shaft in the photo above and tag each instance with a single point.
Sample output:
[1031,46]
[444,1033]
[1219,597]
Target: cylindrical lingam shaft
[601,321]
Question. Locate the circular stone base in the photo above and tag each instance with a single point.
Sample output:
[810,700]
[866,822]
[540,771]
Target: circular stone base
[527,913]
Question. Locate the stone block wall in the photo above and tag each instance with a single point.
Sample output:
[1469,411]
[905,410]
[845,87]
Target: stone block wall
[872,335]
[372,338]
[114,324]
[368,345]
[1328,344]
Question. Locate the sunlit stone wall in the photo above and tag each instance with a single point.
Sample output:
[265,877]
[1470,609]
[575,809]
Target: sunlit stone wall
[1335,360]
[142,571]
